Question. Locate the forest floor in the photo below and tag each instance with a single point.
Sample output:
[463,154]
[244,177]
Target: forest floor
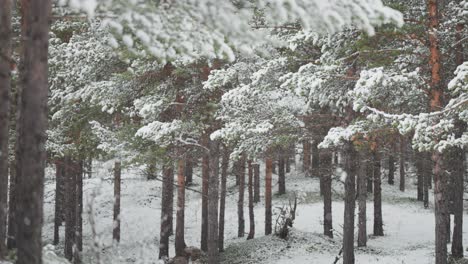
[408,227]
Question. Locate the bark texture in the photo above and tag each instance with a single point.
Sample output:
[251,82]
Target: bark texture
[5,90]
[251,203]
[391,169]
[402,163]
[222,202]
[362,200]
[166,210]
[378,221]
[240,201]
[117,194]
[213,198]
[350,194]
[32,136]
[205,182]
[256,168]
[326,176]
[268,213]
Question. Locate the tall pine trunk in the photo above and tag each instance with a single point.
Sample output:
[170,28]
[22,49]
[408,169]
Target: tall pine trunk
[458,162]
[117,195]
[306,158]
[256,168]
[420,176]
[79,212]
[5,88]
[188,169]
[427,176]
[166,209]
[362,200]
[268,176]
[402,163]
[326,176]
[281,175]
[350,194]
[59,196]
[378,221]
[315,158]
[180,214]
[391,168]
[222,202]
[32,136]
[440,178]
[70,207]
[205,181]
[240,201]
[213,198]
[251,202]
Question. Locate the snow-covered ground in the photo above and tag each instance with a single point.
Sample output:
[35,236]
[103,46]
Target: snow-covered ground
[408,227]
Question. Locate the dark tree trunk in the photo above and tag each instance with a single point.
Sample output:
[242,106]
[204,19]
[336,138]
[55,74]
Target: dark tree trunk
[70,207]
[166,209]
[281,176]
[427,176]
[251,202]
[79,213]
[402,163]
[240,201]
[315,158]
[458,168]
[13,196]
[180,214]
[117,195]
[222,202]
[59,199]
[378,221]
[5,88]
[32,136]
[420,177]
[350,195]
[362,200]
[268,213]
[188,169]
[326,176]
[306,159]
[391,169]
[370,175]
[256,168]
[213,198]
[441,210]
[205,182]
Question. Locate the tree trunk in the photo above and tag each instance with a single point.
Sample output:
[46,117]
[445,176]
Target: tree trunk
[13,196]
[117,195]
[378,222]
[420,177]
[222,202]
[458,168]
[256,168]
[391,169]
[166,209]
[240,201]
[79,212]
[59,202]
[180,217]
[370,175]
[268,213]
[402,163]
[440,179]
[427,176]
[70,207]
[326,176]
[306,160]
[5,88]
[281,176]
[205,181]
[32,137]
[315,158]
[213,198]
[362,200]
[251,202]
[350,194]
[188,169]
